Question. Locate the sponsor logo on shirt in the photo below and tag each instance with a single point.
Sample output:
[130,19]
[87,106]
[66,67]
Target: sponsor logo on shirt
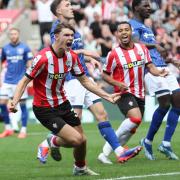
[148,35]
[14,59]
[133,64]
[56,76]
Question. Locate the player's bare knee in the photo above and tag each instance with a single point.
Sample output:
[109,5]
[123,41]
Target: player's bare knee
[84,139]
[77,140]
[102,116]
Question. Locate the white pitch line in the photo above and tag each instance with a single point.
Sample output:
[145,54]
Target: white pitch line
[144,176]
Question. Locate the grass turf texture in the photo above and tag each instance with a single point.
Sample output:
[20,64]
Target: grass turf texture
[18,157]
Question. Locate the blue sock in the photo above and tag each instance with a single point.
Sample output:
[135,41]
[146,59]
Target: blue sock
[171,124]
[5,113]
[108,134]
[24,116]
[157,119]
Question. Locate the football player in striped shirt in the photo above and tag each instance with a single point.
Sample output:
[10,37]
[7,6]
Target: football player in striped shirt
[81,96]
[124,69]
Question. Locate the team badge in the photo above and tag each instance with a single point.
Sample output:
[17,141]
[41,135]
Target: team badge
[54,125]
[68,63]
[140,53]
[20,50]
[130,103]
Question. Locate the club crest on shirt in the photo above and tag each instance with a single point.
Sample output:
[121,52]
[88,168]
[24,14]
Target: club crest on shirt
[130,103]
[140,53]
[20,50]
[68,63]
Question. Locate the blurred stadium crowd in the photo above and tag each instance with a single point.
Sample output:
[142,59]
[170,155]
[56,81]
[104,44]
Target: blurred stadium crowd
[96,21]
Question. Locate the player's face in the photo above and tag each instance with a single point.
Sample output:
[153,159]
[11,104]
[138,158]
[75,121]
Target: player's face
[144,9]
[124,33]
[14,36]
[65,39]
[65,10]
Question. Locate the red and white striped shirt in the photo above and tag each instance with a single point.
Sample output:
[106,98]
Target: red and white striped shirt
[128,66]
[48,73]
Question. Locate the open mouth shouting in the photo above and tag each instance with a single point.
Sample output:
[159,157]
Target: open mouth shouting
[125,38]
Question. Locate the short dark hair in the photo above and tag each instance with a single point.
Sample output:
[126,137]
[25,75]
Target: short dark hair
[61,26]
[54,5]
[124,22]
[135,3]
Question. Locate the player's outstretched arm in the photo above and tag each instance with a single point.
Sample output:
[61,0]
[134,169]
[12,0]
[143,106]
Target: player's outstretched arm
[18,93]
[94,62]
[86,52]
[91,86]
[122,86]
[155,71]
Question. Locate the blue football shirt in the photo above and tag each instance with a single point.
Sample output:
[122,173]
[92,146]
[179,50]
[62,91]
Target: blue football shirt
[146,35]
[16,57]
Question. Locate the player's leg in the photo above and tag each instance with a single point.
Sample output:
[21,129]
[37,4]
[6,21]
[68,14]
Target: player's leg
[94,104]
[163,96]
[108,133]
[76,98]
[80,165]
[4,96]
[100,114]
[15,118]
[24,119]
[24,114]
[127,104]
[53,121]
[133,109]
[172,119]
[156,122]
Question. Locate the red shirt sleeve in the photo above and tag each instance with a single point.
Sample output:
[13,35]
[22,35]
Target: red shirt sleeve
[108,66]
[37,66]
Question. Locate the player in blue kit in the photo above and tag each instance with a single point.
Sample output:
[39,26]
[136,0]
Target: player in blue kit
[18,57]
[166,89]
[79,96]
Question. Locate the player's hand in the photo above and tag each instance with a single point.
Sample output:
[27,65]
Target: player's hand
[114,97]
[95,64]
[163,73]
[11,106]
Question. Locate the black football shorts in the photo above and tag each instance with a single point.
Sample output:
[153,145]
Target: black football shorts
[55,118]
[128,101]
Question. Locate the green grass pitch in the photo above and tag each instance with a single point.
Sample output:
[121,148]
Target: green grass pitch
[18,157]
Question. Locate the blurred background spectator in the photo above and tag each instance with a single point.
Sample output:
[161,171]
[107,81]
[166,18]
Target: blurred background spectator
[45,17]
